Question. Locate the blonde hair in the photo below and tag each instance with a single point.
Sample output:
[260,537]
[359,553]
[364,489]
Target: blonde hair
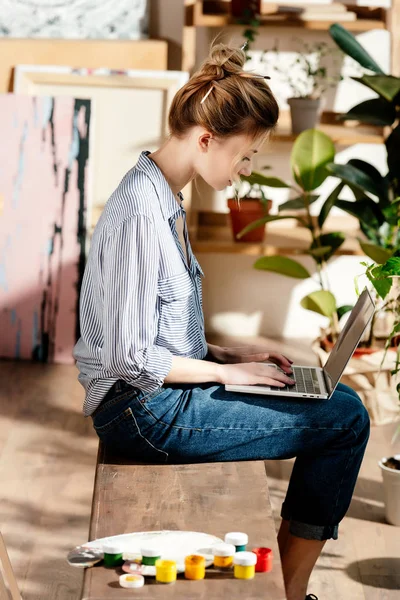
[239,102]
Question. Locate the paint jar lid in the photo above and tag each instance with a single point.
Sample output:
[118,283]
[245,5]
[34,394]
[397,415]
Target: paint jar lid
[112,549]
[237,538]
[150,551]
[131,580]
[224,550]
[245,559]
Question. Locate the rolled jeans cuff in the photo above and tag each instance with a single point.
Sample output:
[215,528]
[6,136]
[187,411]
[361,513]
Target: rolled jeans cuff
[308,531]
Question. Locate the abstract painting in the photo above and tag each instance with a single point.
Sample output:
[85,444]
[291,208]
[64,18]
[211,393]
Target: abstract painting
[44,154]
[76,19]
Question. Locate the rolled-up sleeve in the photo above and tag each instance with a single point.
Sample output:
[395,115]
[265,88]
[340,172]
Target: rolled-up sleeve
[130,263]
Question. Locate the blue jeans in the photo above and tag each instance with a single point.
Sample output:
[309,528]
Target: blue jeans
[189,423]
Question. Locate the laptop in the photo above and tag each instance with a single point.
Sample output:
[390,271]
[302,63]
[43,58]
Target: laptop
[314,382]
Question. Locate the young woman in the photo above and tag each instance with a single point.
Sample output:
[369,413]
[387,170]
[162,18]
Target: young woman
[154,387]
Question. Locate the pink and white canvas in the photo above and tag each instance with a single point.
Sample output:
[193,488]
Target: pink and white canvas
[44,152]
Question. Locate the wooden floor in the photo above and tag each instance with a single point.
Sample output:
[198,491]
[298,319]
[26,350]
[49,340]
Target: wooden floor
[47,463]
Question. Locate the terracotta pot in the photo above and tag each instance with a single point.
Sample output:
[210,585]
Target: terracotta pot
[250,210]
[327,345]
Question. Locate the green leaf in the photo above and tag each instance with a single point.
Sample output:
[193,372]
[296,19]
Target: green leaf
[320,252]
[282,265]
[342,310]
[382,286]
[351,175]
[372,172]
[350,46]
[328,204]
[378,254]
[298,202]
[268,219]
[392,144]
[260,179]
[377,111]
[391,267]
[332,240]
[311,152]
[321,302]
[387,86]
[364,210]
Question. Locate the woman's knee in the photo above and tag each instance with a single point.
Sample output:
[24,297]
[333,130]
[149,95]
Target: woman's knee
[351,408]
[342,387]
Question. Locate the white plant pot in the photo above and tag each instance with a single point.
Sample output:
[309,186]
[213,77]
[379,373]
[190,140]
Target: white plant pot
[391,488]
[305,113]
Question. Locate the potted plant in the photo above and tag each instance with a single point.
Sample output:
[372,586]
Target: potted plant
[383,277]
[376,202]
[308,80]
[251,206]
[311,152]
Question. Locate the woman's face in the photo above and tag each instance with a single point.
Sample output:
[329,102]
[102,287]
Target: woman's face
[215,156]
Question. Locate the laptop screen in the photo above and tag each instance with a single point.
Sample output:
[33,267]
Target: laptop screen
[349,337]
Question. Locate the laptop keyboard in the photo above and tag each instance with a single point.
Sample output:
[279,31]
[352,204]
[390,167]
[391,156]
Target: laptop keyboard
[306,381]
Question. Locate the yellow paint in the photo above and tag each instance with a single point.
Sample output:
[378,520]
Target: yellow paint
[241,572]
[223,562]
[132,578]
[195,567]
[165,571]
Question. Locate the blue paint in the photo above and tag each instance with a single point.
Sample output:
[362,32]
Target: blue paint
[75,142]
[13,316]
[47,110]
[21,167]
[50,247]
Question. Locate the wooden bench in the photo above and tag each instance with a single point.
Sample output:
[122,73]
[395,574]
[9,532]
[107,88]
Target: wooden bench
[213,498]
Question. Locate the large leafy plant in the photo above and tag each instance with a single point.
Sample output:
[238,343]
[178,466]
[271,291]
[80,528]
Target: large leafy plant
[384,277]
[311,152]
[377,196]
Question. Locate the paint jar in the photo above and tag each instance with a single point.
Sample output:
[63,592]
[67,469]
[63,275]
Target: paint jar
[165,571]
[112,556]
[150,555]
[223,555]
[244,565]
[195,567]
[238,539]
[264,559]
[131,581]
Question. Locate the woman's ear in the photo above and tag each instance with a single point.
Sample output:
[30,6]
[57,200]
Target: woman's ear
[204,141]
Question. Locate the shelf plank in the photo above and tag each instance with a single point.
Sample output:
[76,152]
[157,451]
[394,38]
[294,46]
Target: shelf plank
[345,134]
[285,241]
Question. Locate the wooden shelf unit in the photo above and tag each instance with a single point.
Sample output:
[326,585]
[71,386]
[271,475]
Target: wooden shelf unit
[196,16]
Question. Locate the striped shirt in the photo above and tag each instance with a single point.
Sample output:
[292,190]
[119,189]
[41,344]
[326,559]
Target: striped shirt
[141,299]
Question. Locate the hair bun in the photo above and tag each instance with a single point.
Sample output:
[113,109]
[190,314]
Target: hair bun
[222,61]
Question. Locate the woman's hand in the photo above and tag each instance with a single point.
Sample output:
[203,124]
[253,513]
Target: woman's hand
[253,373]
[247,354]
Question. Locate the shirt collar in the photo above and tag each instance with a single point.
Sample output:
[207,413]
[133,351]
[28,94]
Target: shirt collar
[168,202]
